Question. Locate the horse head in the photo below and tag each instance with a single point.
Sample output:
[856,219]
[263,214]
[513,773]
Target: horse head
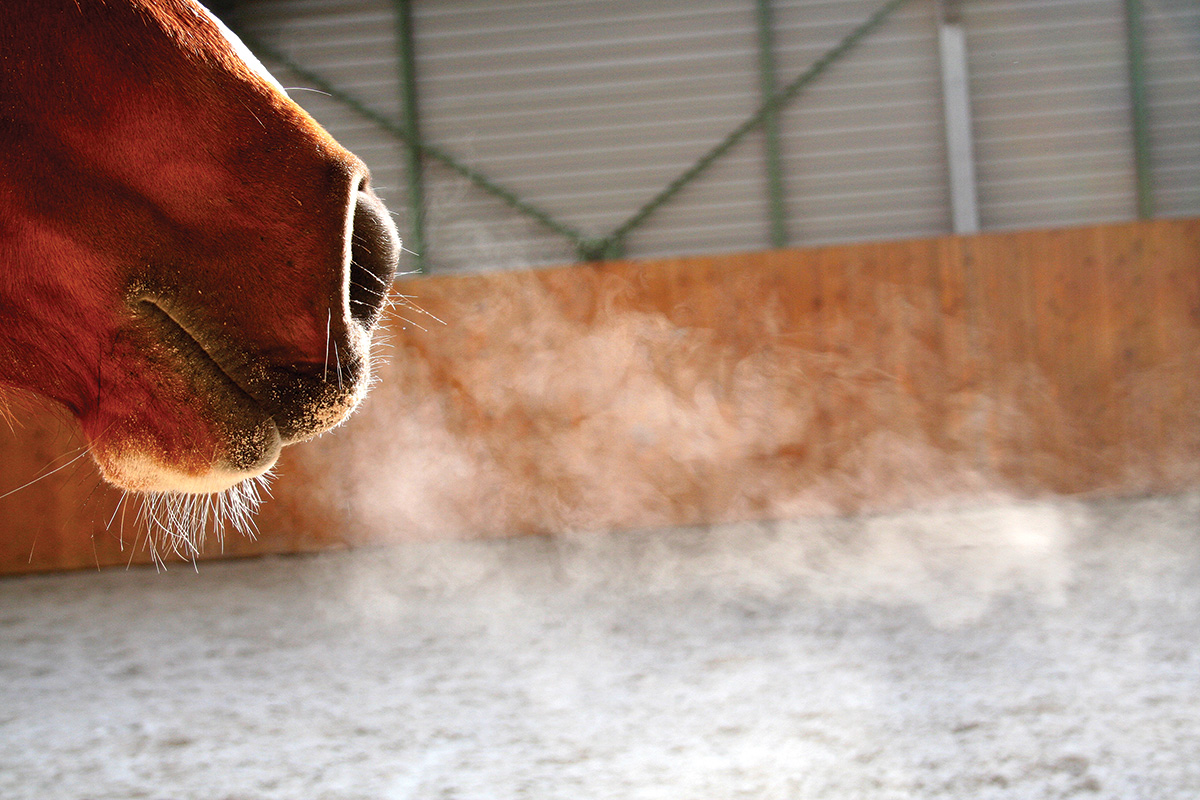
[188,262]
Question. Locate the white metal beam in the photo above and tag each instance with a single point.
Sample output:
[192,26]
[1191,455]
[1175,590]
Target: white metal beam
[956,104]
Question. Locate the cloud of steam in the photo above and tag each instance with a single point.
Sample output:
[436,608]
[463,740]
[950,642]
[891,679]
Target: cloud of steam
[524,414]
[952,565]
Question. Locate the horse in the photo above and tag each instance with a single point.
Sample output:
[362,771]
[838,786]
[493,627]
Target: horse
[189,264]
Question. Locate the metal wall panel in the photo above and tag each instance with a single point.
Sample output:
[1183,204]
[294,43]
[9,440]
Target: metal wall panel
[1173,88]
[588,108]
[1050,90]
[864,147]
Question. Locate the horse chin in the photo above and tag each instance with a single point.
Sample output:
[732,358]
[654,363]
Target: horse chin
[144,473]
[139,464]
[198,431]
[246,443]
[179,425]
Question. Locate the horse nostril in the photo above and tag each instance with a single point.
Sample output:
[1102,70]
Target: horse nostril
[374,253]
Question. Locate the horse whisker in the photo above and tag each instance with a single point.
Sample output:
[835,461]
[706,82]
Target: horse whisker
[305,89]
[414,324]
[120,504]
[328,320]
[178,523]
[339,365]
[375,292]
[46,474]
[407,303]
[382,281]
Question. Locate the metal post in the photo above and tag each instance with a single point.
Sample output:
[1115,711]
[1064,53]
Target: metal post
[1135,40]
[956,106]
[412,132]
[774,161]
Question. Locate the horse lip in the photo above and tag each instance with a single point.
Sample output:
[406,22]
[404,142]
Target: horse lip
[154,309]
[311,417]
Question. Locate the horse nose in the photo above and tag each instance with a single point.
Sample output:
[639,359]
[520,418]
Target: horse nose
[374,254]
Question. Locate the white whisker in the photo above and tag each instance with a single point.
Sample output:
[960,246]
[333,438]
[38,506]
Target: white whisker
[376,292]
[120,504]
[407,302]
[328,320]
[339,365]
[384,282]
[45,475]
[178,523]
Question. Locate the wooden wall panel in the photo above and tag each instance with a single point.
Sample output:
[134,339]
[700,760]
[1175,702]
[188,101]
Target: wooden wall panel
[683,391]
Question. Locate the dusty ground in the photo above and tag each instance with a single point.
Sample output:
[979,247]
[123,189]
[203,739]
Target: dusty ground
[1001,651]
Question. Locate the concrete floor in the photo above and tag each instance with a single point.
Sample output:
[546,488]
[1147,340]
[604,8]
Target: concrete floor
[998,651]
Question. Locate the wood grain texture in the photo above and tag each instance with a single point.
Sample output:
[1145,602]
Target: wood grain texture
[715,388]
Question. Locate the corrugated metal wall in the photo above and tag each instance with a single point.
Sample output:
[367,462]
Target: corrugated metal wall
[588,108]
[1050,94]
[864,149]
[1173,42]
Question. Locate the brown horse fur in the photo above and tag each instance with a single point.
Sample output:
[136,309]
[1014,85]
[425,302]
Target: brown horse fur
[188,262]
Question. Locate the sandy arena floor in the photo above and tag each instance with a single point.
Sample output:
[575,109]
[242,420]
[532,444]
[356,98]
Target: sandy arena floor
[1004,651]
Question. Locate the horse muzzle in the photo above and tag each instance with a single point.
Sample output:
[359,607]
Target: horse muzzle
[237,378]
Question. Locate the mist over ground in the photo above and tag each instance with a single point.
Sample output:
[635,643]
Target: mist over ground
[998,650]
